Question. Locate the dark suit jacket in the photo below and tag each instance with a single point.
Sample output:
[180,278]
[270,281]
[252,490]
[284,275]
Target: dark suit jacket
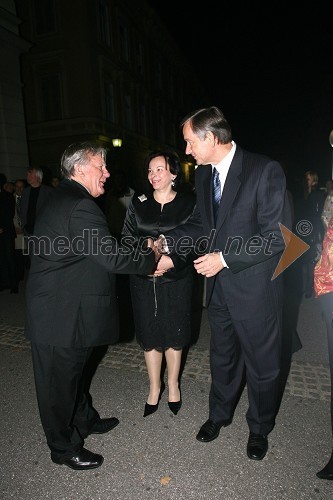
[7,212]
[44,193]
[70,292]
[253,203]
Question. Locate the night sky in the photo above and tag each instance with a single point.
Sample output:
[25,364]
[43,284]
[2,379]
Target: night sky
[269,67]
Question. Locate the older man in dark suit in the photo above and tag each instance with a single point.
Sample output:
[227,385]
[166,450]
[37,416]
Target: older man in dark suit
[71,302]
[241,201]
[33,198]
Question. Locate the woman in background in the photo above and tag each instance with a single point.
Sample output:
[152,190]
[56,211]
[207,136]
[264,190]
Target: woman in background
[323,286]
[311,210]
[162,303]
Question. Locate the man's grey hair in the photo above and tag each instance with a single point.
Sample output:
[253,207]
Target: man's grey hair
[39,172]
[79,153]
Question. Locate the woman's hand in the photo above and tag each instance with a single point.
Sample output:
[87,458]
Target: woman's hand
[164,264]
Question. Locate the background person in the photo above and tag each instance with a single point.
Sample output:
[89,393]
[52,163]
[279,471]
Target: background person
[327,212]
[55,181]
[7,238]
[244,304]
[71,304]
[21,262]
[33,198]
[323,286]
[117,200]
[162,303]
[310,209]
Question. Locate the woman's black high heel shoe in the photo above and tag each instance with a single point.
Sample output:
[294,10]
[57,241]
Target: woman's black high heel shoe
[149,409]
[175,406]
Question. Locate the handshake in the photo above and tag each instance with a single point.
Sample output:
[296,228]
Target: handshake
[209,264]
[162,260]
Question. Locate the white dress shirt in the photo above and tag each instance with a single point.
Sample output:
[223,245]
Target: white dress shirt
[223,168]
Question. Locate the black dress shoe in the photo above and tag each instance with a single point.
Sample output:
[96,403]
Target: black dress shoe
[103,425]
[257,446]
[208,431]
[82,460]
[326,472]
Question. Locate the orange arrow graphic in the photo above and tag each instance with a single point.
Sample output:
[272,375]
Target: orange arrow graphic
[294,248]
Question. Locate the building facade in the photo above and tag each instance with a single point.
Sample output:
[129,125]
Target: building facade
[13,140]
[103,70]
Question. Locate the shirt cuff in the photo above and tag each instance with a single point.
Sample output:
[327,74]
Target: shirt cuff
[223,261]
[165,249]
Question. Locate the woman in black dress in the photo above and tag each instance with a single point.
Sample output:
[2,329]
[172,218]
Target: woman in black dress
[162,303]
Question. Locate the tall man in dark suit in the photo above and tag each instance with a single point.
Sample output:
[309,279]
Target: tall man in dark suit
[244,302]
[71,302]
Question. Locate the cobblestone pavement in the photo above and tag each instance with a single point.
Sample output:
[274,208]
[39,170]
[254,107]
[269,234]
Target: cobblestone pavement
[305,379]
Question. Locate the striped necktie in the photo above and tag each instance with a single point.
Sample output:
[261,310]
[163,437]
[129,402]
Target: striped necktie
[216,192]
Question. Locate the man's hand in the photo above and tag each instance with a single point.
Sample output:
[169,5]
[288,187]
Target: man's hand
[209,264]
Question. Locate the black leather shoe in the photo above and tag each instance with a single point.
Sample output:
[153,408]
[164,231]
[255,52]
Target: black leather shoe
[83,460]
[103,425]
[257,446]
[326,472]
[208,431]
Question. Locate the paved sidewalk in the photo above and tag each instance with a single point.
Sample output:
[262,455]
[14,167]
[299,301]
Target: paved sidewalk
[306,379]
[158,457]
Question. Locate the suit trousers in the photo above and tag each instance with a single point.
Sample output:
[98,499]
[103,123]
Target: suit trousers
[244,351]
[64,407]
[326,305]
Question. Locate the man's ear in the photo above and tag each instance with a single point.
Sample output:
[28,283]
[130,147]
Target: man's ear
[210,137]
[78,170]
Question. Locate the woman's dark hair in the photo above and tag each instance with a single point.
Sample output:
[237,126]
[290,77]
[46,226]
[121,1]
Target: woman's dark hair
[171,159]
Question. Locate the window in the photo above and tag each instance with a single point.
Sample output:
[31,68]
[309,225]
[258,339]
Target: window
[51,97]
[139,59]
[159,73]
[142,119]
[104,22]
[124,40]
[109,101]
[45,18]
[128,112]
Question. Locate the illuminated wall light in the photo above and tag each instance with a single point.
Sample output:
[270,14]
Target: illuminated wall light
[117,143]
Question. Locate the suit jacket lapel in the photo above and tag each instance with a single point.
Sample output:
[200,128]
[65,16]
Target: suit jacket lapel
[231,187]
